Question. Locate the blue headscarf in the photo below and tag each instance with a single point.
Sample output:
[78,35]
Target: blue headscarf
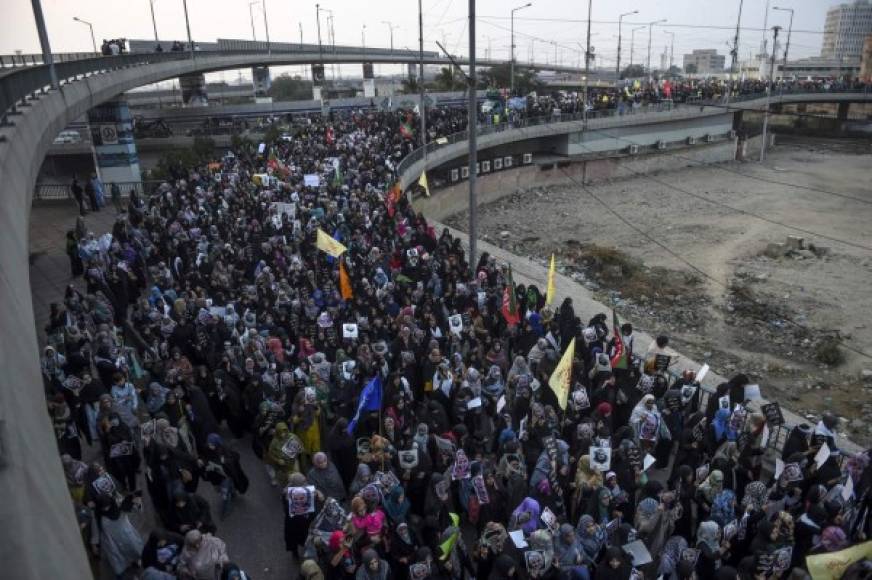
[396,508]
[722,425]
[723,508]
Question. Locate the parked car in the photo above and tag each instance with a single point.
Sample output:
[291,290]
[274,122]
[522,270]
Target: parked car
[68,136]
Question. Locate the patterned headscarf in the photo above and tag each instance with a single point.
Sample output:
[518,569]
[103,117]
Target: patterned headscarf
[756,495]
[723,508]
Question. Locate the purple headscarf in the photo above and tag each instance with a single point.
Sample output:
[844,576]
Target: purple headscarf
[528,506]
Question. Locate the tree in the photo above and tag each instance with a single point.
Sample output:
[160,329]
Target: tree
[410,86]
[691,69]
[287,88]
[448,80]
[633,71]
[500,76]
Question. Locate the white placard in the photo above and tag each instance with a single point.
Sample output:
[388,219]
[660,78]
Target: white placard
[518,539]
[349,330]
[848,489]
[822,455]
[501,403]
[600,458]
[702,372]
[549,519]
[474,403]
[779,467]
[455,324]
[312,180]
[752,393]
[648,462]
[289,209]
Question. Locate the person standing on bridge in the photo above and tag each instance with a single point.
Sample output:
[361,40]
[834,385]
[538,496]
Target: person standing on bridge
[78,195]
[92,195]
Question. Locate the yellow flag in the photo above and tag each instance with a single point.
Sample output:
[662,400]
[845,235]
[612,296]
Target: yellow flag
[832,565]
[448,545]
[562,375]
[327,244]
[549,293]
[422,181]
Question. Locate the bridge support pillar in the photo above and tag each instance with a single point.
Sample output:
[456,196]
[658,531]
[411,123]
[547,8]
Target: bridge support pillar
[842,113]
[262,83]
[317,82]
[194,90]
[112,143]
[368,81]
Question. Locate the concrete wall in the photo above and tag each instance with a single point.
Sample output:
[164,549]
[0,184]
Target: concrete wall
[494,186]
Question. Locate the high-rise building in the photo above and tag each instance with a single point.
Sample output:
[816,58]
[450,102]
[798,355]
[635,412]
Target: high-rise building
[706,61]
[845,30]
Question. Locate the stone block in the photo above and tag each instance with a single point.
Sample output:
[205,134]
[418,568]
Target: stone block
[795,242]
[775,250]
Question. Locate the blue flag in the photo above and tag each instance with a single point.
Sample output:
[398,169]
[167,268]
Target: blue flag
[370,400]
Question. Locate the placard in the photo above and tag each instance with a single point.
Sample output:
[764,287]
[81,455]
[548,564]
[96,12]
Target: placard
[460,469]
[408,458]
[535,562]
[312,180]
[349,330]
[773,414]
[292,448]
[474,403]
[419,571]
[752,393]
[284,208]
[701,373]
[638,553]
[348,369]
[848,489]
[550,520]
[687,393]
[649,427]
[661,362]
[501,403]
[822,455]
[301,500]
[779,468]
[724,402]
[455,324]
[792,472]
[600,458]
[580,399]
[121,449]
[478,485]
[387,480]
[518,539]
[648,462]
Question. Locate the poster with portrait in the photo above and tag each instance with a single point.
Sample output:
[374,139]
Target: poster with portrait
[645,384]
[600,458]
[122,449]
[792,472]
[580,399]
[387,480]
[461,467]
[480,488]
[419,571]
[535,562]
[649,427]
[292,448]
[455,324]
[301,500]
[408,458]
[349,330]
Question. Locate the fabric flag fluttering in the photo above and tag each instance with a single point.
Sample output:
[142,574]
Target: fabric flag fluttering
[453,533]
[562,375]
[370,400]
[510,305]
[392,197]
[549,293]
[422,181]
[327,244]
[619,358]
[344,282]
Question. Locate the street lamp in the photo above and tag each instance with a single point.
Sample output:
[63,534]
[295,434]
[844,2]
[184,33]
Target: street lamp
[391,28]
[251,15]
[266,27]
[650,28]
[91,26]
[153,21]
[512,66]
[789,29]
[363,37]
[671,46]
[633,41]
[621,17]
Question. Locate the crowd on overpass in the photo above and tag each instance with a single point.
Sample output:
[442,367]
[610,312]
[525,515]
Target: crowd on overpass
[418,417]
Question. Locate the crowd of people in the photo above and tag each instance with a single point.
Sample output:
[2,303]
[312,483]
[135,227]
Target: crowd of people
[416,421]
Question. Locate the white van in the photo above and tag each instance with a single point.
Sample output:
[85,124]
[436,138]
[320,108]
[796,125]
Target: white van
[68,136]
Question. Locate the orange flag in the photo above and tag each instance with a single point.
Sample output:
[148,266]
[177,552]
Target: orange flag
[344,282]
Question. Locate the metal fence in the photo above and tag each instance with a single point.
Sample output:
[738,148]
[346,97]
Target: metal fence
[61,191]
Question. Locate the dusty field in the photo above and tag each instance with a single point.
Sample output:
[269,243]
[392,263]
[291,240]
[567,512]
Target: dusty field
[725,301]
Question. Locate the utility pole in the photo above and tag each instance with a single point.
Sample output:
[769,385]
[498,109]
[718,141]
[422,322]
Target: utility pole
[266,28]
[421,77]
[650,29]
[512,58]
[301,36]
[586,65]
[363,37]
[391,28]
[188,27]
[671,47]
[734,62]
[91,28]
[633,41]
[473,146]
[318,18]
[251,16]
[775,30]
[789,30]
[620,27]
[153,21]
[43,42]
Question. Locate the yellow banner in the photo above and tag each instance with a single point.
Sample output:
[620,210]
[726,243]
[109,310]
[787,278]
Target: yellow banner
[832,566]
[327,244]
[422,181]
[562,375]
[549,293]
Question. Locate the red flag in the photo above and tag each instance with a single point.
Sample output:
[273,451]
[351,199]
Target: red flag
[393,195]
[510,306]
[619,358]
[329,135]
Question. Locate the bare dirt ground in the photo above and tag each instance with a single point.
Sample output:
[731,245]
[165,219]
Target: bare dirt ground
[794,323]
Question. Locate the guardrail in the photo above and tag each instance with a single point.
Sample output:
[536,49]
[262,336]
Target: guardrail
[8,61]
[61,191]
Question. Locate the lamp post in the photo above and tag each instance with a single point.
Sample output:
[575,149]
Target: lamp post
[775,30]
[251,16]
[633,41]
[266,27]
[318,20]
[421,77]
[44,43]
[586,64]
[188,27]
[363,37]
[472,111]
[512,65]
[620,18]
[91,26]
[671,46]
[650,29]
[391,29]
[153,21]
[789,29]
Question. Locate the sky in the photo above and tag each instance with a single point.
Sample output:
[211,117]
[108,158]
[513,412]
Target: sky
[695,24]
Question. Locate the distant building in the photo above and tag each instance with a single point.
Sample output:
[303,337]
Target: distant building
[845,30]
[706,61]
[866,62]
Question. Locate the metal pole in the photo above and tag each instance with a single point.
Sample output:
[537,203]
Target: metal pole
[473,157]
[512,58]
[251,16]
[421,78]
[91,28]
[301,35]
[266,28]
[363,37]
[586,64]
[43,42]
[650,28]
[671,47]
[775,30]
[188,27]
[318,18]
[789,30]
[735,52]
[153,21]
[633,42]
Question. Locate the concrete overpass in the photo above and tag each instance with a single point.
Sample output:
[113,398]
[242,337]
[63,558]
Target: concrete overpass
[32,113]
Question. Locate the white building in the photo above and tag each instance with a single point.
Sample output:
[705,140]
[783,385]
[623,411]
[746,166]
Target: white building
[845,30]
[705,61]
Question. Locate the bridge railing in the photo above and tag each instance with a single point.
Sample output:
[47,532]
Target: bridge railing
[61,191]
[9,61]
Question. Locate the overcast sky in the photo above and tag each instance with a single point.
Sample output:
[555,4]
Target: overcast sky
[696,24]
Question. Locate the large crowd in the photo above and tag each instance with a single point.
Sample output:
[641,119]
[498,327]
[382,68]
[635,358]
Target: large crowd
[416,420]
